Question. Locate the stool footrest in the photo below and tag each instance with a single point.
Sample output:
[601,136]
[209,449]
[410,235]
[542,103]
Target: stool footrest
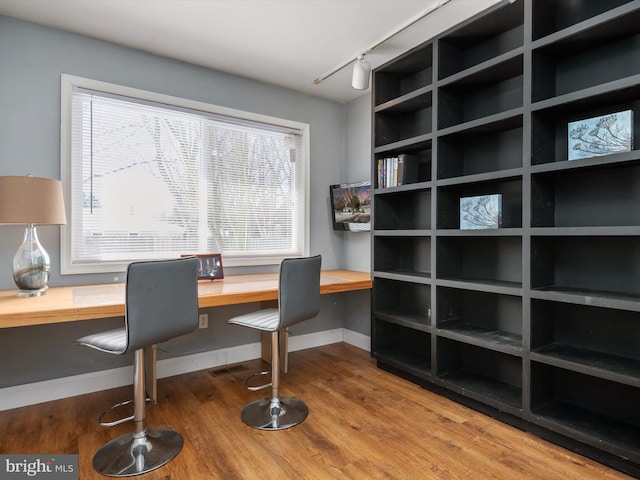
[102,423]
[255,388]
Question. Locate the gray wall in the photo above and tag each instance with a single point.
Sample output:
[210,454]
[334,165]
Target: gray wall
[357,246]
[32,58]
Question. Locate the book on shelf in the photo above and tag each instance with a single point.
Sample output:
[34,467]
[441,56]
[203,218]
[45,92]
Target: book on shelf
[407,169]
[396,171]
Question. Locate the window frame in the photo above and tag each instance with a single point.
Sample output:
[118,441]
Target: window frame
[67,84]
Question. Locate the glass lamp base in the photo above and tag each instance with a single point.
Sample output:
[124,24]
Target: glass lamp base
[31,266]
[32,293]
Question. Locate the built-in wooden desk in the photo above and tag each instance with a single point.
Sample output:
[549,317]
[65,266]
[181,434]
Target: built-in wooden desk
[86,302]
[67,304]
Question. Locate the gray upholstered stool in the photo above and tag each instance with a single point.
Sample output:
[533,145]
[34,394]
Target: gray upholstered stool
[161,303]
[298,300]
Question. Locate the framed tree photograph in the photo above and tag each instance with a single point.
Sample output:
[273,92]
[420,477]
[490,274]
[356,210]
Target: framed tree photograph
[209,266]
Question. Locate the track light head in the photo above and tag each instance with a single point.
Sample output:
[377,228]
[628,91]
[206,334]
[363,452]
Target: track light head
[361,73]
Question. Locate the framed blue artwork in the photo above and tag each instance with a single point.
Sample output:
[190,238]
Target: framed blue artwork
[604,135]
[481,212]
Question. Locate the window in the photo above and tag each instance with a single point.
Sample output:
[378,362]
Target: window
[149,176]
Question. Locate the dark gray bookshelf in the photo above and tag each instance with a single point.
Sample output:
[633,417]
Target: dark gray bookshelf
[536,322]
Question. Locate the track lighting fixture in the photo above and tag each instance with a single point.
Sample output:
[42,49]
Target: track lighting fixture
[362,69]
[361,74]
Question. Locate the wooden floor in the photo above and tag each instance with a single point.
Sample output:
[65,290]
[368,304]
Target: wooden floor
[363,424]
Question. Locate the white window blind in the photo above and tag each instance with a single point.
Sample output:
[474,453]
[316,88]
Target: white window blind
[153,180]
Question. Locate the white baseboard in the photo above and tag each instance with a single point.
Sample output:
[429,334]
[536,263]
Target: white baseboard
[356,339]
[57,388]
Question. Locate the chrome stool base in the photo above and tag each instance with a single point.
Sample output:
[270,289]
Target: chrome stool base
[275,414]
[126,456]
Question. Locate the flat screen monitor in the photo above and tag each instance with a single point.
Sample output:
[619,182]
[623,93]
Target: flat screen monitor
[351,206]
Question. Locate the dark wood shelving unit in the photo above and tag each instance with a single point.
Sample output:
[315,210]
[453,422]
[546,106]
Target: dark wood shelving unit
[538,321]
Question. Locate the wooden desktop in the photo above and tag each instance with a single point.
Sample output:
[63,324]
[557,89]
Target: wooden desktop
[86,302]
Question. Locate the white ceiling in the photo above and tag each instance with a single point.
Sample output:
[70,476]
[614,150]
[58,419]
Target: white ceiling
[283,42]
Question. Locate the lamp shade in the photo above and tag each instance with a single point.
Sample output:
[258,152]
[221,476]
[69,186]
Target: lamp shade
[31,200]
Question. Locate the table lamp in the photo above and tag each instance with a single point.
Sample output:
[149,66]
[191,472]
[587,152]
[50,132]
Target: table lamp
[31,201]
